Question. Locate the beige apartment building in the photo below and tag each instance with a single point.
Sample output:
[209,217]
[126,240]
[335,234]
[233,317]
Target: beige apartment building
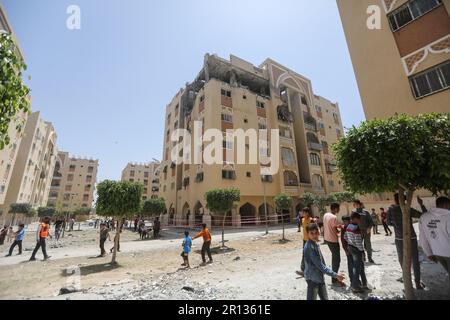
[8,155]
[32,172]
[147,174]
[403,67]
[73,183]
[235,94]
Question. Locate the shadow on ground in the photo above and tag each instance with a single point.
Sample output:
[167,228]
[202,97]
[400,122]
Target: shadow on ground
[218,250]
[91,269]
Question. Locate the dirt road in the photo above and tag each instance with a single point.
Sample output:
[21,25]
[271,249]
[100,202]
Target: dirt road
[256,267]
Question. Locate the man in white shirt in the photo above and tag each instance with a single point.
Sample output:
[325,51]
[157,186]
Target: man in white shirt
[331,237]
[435,233]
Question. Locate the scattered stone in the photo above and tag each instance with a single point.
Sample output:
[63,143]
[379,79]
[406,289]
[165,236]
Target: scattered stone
[237,259]
[189,289]
[67,290]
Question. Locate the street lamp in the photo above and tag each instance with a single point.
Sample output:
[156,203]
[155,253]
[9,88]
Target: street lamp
[265,203]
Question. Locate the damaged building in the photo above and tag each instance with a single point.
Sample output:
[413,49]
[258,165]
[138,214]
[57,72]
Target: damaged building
[236,94]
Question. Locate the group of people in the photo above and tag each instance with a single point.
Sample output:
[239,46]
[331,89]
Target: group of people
[43,232]
[355,237]
[139,227]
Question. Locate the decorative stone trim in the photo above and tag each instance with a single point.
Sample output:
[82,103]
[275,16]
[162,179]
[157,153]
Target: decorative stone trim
[388,5]
[412,61]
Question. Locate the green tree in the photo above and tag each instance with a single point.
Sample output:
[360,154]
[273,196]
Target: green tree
[401,154]
[221,201]
[21,208]
[154,207]
[119,200]
[308,199]
[283,202]
[13,91]
[80,215]
[46,212]
[345,196]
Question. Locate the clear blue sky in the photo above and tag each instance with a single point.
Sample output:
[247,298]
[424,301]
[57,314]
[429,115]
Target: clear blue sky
[105,87]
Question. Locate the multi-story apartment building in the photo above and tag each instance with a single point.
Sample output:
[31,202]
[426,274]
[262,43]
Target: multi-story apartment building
[403,67]
[32,172]
[146,174]
[236,94]
[73,183]
[8,155]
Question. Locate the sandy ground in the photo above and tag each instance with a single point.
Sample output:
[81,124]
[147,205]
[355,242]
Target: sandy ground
[256,267]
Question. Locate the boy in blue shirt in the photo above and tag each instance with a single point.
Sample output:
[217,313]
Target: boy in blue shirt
[315,267]
[187,244]
[20,234]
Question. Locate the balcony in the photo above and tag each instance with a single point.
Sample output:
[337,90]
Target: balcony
[330,167]
[284,114]
[293,190]
[313,142]
[315,146]
[310,122]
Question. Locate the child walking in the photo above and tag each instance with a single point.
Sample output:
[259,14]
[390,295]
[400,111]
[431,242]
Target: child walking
[187,244]
[354,239]
[315,267]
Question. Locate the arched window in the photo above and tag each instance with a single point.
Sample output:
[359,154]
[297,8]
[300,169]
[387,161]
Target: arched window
[317,181]
[287,155]
[315,159]
[290,179]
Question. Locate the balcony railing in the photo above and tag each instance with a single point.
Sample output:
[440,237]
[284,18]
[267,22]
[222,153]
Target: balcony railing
[331,167]
[310,122]
[315,146]
[311,126]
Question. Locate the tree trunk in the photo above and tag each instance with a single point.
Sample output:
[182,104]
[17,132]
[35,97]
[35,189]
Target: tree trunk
[282,222]
[116,241]
[405,204]
[223,229]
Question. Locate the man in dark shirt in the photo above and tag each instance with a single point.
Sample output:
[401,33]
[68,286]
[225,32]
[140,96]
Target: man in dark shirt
[365,226]
[395,219]
[104,235]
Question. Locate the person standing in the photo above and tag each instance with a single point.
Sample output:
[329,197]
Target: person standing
[365,226]
[384,222]
[3,234]
[306,221]
[353,236]
[206,247]
[374,217]
[43,232]
[331,237]
[11,234]
[315,267]
[299,221]
[395,219]
[435,234]
[71,224]
[347,220]
[19,236]
[187,244]
[104,235]
[58,227]
[156,227]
